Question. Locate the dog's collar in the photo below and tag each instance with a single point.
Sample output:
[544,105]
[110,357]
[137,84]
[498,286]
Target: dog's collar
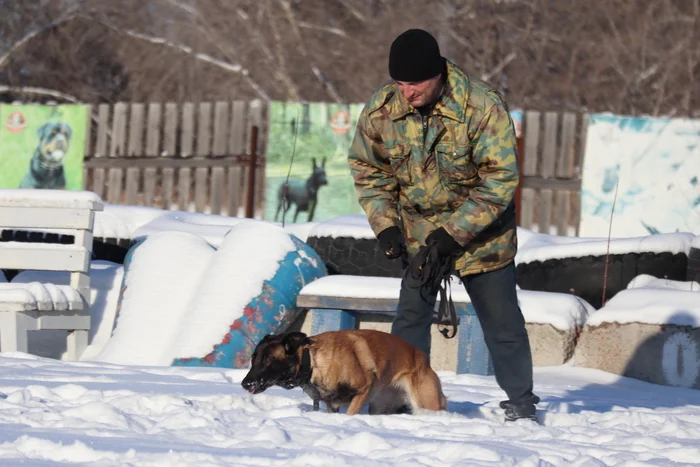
[305,370]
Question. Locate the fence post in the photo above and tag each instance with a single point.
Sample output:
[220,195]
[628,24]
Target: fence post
[250,201]
[518,191]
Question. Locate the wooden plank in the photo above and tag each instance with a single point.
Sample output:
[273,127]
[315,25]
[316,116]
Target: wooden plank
[254,119]
[236,146]
[170,129]
[187,135]
[538,183]
[531,129]
[15,217]
[134,148]
[190,162]
[219,148]
[186,150]
[221,127]
[135,144]
[117,149]
[565,169]
[578,168]
[532,142]
[218,186]
[549,145]
[152,150]
[43,256]
[153,129]
[547,170]
[201,175]
[102,130]
[98,175]
[169,148]
[133,179]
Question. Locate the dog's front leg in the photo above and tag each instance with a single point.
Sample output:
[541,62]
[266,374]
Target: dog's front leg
[357,402]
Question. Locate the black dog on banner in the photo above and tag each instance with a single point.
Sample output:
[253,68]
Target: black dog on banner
[304,194]
[46,166]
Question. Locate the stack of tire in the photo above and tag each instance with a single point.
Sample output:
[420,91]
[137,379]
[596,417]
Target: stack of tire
[585,276]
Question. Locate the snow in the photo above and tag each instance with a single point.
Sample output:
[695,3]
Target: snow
[123,405]
[54,412]
[49,198]
[563,311]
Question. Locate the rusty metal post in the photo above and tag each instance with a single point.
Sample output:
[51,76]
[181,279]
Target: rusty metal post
[252,163]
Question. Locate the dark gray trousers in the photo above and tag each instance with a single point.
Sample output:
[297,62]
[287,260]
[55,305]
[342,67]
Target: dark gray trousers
[496,304]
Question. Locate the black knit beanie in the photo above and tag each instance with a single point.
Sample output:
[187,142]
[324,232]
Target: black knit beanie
[415,56]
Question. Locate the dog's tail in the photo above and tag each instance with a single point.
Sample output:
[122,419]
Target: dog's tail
[425,389]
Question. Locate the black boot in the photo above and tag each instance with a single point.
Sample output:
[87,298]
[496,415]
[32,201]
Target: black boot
[523,409]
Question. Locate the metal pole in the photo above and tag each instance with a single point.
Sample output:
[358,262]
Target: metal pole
[252,162]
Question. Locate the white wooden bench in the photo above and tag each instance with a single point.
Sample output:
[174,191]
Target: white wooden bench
[36,306]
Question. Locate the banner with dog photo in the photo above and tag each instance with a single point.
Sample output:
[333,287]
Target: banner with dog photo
[42,146]
[319,175]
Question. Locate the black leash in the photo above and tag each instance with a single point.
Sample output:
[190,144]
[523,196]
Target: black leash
[429,272]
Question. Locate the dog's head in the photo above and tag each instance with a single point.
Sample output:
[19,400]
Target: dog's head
[54,141]
[319,173]
[276,361]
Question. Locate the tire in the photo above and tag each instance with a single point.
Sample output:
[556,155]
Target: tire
[584,276]
[693,273]
[354,256]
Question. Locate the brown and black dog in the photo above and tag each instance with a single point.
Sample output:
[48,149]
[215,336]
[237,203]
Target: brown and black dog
[348,368]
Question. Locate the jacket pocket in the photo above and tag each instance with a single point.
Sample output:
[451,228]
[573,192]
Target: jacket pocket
[456,165]
[399,157]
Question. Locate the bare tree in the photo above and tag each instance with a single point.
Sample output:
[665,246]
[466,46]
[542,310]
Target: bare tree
[628,57]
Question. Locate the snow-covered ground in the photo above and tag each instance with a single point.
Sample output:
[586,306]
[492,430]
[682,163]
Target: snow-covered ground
[97,413]
[88,413]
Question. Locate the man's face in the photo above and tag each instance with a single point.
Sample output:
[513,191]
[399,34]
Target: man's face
[421,93]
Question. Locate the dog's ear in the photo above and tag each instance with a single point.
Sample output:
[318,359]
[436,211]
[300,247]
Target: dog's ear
[41,131]
[293,340]
[323,163]
[313,163]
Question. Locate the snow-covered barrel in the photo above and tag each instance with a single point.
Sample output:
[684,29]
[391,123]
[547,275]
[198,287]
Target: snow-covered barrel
[186,303]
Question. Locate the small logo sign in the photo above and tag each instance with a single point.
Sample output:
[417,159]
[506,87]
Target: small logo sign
[340,122]
[15,122]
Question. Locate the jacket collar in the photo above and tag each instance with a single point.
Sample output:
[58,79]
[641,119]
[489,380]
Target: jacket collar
[450,105]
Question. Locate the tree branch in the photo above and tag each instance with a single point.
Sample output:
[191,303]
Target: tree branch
[233,68]
[39,92]
[31,35]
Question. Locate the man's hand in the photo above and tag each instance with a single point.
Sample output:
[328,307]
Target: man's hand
[445,244]
[391,242]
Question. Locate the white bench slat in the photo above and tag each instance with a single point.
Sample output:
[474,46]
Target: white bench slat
[44,256]
[32,199]
[15,217]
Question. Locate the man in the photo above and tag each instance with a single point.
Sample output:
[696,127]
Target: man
[434,163]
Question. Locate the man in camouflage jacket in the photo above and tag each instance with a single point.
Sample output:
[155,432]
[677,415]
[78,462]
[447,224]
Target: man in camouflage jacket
[434,161]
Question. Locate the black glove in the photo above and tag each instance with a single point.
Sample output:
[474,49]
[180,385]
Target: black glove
[445,244]
[391,242]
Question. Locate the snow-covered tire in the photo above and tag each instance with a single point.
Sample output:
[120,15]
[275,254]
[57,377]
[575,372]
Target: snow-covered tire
[693,265]
[354,256]
[583,276]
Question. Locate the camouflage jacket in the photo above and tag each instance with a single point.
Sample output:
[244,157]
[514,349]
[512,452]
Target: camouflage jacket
[455,168]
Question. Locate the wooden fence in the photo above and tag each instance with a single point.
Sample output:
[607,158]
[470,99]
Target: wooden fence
[553,147]
[195,157]
[190,157]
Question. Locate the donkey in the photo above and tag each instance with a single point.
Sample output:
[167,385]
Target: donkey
[303,194]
